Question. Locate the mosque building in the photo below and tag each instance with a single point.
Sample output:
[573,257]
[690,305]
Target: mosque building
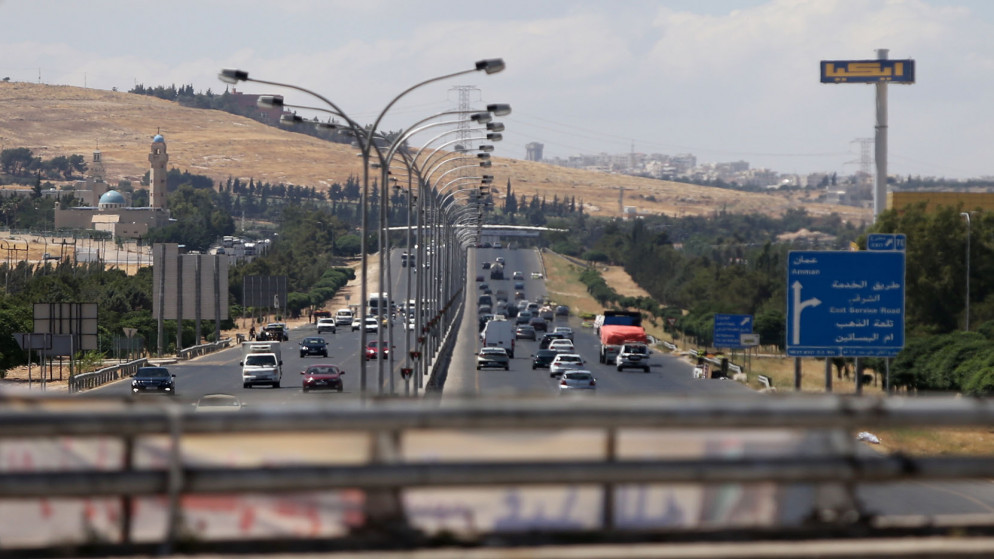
[111,211]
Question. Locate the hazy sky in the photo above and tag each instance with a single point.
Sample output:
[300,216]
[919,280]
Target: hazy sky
[726,80]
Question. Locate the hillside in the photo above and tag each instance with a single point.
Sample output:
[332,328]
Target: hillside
[62,120]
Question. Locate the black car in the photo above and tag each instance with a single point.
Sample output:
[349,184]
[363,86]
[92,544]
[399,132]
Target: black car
[524,332]
[538,323]
[154,379]
[486,265]
[543,358]
[544,342]
[313,346]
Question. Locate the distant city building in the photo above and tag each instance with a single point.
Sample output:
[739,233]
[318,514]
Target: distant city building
[106,209]
[533,151]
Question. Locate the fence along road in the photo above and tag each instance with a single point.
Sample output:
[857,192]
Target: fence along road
[138,468]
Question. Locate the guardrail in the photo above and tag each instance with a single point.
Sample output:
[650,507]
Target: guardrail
[203,349]
[93,379]
[387,472]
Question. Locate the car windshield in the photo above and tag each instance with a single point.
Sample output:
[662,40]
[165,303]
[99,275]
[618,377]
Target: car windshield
[578,376]
[313,341]
[154,373]
[493,351]
[637,349]
[322,370]
[569,359]
[260,360]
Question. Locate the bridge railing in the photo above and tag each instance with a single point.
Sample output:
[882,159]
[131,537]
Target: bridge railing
[386,472]
[93,379]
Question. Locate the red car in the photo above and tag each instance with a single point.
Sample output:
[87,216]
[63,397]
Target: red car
[318,377]
[372,353]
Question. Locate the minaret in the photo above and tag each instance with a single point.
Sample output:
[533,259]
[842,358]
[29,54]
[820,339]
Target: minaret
[157,175]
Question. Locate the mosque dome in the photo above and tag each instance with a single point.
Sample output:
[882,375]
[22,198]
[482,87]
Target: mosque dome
[158,139]
[111,198]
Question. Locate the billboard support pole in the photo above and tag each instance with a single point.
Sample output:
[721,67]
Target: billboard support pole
[880,144]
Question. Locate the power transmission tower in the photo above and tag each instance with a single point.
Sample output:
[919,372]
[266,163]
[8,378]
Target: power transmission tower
[465,104]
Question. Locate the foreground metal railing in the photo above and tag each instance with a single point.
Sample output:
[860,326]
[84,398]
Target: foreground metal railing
[386,471]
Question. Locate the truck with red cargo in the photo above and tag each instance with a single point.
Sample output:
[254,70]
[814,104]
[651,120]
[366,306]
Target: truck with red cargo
[618,328]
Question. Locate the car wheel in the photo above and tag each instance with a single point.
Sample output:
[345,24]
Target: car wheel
[507,367]
[246,385]
[534,367]
[302,355]
[276,384]
[339,388]
[305,389]
[477,367]
[620,368]
[645,369]
[325,354]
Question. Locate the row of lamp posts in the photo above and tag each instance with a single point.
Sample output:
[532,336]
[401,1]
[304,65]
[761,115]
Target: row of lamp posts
[444,231]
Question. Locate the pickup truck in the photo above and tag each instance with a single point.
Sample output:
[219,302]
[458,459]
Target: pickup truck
[262,363]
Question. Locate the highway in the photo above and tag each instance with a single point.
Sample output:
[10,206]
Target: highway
[668,375]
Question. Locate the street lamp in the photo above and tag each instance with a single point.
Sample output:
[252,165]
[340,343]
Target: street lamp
[967,321]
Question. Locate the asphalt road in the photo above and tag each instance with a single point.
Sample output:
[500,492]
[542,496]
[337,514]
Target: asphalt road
[669,375]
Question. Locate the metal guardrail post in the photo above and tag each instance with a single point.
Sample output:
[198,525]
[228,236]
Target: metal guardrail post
[610,455]
[127,501]
[175,480]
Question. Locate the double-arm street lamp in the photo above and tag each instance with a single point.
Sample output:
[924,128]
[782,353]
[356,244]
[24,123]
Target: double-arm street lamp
[366,140]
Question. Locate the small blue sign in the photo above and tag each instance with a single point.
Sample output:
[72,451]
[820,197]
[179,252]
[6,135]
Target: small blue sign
[728,329]
[845,304]
[886,241]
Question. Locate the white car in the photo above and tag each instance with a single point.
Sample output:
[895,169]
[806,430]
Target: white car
[326,325]
[565,362]
[577,380]
[565,331]
[562,345]
[372,324]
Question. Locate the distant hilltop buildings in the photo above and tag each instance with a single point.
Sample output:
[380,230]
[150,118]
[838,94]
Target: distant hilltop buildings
[106,209]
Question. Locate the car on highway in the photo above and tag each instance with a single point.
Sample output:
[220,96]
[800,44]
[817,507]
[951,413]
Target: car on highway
[274,331]
[547,313]
[525,332]
[479,278]
[343,317]
[519,285]
[318,377]
[634,356]
[543,358]
[562,310]
[374,350]
[493,358]
[524,317]
[538,323]
[410,324]
[313,346]
[486,265]
[518,276]
[565,362]
[566,331]
[500,260]
[562,345]
[484,319]
[153,379]
[544,341]
[536,275]
[577,380]
[372,324]
[483,286]
[327,325]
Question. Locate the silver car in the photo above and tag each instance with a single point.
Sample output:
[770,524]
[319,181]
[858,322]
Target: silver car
[565,362]
[577,380]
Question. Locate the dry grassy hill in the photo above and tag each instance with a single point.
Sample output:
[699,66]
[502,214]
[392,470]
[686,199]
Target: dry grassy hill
[61,120]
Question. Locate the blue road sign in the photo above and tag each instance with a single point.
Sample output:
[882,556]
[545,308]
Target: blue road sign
[886,241]
[728,329]
[845,304]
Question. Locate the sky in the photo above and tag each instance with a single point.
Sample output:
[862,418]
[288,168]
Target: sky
[725,80]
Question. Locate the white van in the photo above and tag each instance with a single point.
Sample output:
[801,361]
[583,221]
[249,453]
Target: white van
[499,333]
[344,317]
